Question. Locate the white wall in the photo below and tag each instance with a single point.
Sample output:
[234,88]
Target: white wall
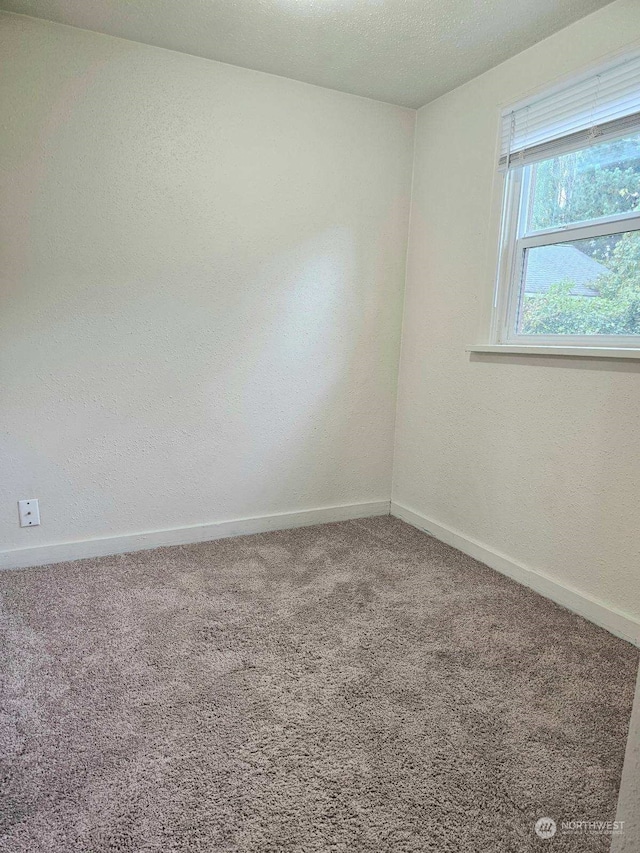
[536,458]
[201,290]
[202,278]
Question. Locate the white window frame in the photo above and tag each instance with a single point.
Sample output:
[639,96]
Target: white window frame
[515,240]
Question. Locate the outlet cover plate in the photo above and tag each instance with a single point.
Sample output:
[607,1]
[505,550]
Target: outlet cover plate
[29,512]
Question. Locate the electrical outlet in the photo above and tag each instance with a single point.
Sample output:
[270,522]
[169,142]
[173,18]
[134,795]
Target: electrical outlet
[29,512]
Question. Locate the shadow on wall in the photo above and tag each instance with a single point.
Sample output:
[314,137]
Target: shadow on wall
[552,469]
[262,381]
[608,365]
[288,384]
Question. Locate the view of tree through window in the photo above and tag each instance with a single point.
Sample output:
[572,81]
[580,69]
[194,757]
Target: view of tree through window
[583,286]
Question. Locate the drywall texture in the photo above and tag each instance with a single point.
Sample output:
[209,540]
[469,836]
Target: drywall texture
[202,278]
[536,458]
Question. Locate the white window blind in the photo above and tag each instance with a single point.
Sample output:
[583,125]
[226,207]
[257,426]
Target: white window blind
[598,106]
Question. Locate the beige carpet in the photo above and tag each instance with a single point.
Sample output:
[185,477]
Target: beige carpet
[350,687]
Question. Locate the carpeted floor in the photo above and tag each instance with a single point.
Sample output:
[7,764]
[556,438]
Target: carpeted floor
[349,687]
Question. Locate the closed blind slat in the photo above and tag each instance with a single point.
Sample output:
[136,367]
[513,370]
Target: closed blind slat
[603,105]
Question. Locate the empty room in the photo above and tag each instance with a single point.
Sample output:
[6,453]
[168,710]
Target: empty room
[319,426]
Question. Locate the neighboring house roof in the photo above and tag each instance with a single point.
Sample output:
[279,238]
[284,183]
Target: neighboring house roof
[547,265]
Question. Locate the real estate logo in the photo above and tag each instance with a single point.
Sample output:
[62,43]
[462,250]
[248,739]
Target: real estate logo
[545,827]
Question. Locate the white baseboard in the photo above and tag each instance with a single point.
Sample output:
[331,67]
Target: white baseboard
[629,798]
[58,553]
[604,615]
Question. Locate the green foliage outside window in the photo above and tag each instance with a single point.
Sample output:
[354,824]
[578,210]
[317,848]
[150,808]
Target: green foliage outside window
[574,188]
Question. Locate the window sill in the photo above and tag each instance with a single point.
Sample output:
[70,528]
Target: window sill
[571,351]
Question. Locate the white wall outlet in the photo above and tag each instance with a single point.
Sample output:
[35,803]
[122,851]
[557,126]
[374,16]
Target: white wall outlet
[29,512]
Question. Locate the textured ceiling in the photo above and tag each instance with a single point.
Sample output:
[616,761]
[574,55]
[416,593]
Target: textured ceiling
[403,51]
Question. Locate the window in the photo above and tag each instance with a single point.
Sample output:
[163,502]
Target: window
[570,247]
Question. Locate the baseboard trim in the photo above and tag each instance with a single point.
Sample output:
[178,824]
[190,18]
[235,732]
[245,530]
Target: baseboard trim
[628,811]
[20,558]
[604,615]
